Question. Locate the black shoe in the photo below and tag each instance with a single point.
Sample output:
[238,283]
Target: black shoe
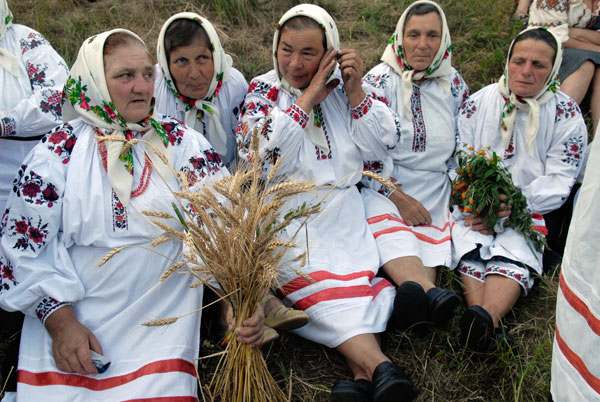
[441,303]
[410,306]
[476,329]
[390,384]
[351,391]
[504,340]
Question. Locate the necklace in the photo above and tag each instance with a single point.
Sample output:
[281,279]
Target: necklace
[146,172]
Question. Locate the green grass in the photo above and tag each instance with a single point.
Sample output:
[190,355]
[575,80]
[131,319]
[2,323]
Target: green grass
[481,32]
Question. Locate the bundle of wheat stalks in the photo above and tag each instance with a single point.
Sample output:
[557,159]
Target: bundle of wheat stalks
[231,236]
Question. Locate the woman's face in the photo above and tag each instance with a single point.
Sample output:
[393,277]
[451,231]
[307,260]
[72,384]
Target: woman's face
[421,39]
[192,69]
[529,67]
[298,55]
[129,77]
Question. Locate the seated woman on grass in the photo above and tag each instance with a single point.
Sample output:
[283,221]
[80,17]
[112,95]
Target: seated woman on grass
[316,119]
[412,225]
[539,134]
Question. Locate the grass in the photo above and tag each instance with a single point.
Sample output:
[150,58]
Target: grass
[481,32]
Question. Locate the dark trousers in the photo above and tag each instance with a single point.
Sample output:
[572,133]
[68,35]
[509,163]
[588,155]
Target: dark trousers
[10,337]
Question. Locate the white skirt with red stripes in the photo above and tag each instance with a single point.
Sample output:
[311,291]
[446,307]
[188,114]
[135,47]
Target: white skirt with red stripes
[396,239]
[338,288]
[575,361]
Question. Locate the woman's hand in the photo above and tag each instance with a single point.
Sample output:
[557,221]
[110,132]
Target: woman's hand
[71,342]
[253,329]
[411,210]
[476,221]
[318,90]
[352,68]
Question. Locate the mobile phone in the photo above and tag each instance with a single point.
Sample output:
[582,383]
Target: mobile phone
[102,363]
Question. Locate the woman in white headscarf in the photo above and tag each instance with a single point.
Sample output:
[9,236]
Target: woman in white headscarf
[195,82]
[412,225]
[539,134]
[315,117]
[76,198]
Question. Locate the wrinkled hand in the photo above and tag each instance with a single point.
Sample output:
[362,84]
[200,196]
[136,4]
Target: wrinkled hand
[253,330]
[71,342]
[352,68]
[318,90]
[411,210]
[476,221]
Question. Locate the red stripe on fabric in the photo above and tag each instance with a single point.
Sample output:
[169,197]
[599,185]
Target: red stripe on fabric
[379,218]
[537,216]
[342,293]
[317,276]
[166,398]
[577,363]
[579,305]
[419,236]
[74,380]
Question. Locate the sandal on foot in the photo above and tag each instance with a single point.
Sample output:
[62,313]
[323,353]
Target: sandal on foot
[476,329]
[351,391]
[442,303]
[390,384]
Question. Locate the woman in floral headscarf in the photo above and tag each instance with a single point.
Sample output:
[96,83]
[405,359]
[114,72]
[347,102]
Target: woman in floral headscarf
[99,188]
[196,83]
[412,225]
[315,117]
[540,135]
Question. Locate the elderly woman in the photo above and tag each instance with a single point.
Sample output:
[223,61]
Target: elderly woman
[314,115]
[540,135]
[99,187]
[196,83]
[576,24]
[412,225]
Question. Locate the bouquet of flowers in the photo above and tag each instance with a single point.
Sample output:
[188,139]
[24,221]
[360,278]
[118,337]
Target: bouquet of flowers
[481,179]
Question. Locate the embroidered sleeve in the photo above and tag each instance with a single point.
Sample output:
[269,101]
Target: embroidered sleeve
[563,160]
[35,259]
[460,91]
[47,74]
[297,114]
[552,14]
[363,108]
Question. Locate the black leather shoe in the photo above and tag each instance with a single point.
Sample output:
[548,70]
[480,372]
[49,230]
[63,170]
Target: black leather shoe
[351,391]
[476,329]
[441,303]
[410,306]
[390,384]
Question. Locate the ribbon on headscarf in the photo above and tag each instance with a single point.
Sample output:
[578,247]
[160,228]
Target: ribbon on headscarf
[86,97]
[513,103]
[440,68]
[200,111]
[313,129]
[8,61]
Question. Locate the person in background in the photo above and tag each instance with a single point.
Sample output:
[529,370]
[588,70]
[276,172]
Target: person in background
[32,76]
[313,115]
[52,246]
[540,135]
[412,225]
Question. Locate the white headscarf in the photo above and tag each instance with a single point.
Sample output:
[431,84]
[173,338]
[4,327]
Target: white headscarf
[196,108]
[313,129]
[514,102]
[8,61]
[439,69]
[86,97]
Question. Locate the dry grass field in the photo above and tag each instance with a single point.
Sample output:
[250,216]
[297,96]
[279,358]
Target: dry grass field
[481,32]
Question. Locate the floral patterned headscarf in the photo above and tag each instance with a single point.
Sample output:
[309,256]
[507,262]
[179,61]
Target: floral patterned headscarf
[439,69]
[197,110]
[86,97]
[313,128]
[8,61]
[514,102]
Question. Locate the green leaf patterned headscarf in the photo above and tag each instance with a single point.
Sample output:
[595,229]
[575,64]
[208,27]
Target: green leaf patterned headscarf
[86,96]
[200,110]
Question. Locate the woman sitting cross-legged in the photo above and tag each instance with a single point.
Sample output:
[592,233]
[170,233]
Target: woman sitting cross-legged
[539,134]
[52,245]
[314,116]
[412,225]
